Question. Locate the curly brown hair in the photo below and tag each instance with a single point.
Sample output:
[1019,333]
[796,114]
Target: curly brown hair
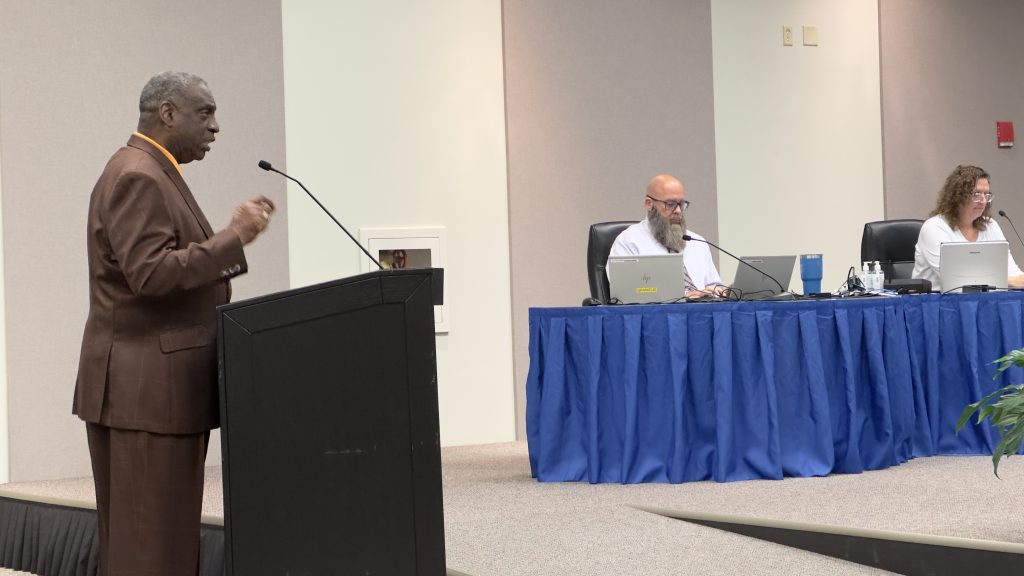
[956,192]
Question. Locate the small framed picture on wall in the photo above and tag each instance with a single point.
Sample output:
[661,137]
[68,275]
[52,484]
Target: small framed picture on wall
[408,248]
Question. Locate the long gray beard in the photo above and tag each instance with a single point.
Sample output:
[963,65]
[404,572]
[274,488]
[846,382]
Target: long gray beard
[666,233]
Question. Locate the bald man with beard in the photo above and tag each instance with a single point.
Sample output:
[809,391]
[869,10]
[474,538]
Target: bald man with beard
[662,233]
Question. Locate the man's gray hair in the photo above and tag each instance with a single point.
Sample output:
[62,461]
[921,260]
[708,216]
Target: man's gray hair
[165,86]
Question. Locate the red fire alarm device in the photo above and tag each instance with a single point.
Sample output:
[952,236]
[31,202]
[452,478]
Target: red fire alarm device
[1004,134]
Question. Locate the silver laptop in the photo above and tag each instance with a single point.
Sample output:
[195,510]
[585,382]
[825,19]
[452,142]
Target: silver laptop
[973,264]
[646,279]
[752,284]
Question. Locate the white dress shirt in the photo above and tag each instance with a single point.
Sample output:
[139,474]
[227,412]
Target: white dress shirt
[638,239]
[934,232]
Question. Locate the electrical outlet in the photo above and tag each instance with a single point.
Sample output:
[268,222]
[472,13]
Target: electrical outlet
[787,35]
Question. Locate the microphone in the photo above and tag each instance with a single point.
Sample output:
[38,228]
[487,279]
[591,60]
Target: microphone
[266,166]
[1003,214]
[687,237]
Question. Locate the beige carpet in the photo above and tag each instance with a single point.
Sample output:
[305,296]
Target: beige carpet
[500,522]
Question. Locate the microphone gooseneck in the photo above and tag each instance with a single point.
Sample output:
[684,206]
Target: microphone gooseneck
[688,238]
[266,166]
[1003,214]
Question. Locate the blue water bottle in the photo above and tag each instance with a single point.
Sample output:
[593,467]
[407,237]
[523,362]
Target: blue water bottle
[810,273]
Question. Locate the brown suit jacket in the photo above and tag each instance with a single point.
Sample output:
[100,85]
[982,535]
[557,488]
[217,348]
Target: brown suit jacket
[157,272]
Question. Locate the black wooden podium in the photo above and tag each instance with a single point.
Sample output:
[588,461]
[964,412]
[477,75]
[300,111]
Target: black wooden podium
[329,429]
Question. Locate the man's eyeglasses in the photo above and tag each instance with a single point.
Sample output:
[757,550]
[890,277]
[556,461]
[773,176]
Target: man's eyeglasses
[671,205]
[979,196]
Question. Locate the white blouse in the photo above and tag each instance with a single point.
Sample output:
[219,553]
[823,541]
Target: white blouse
[934,232]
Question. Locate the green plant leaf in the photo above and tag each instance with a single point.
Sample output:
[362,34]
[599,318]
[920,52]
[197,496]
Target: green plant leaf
[969,410]
[1007,411]
[1008,445]
[1014,358]
[972,408]
[986,412]
[1004,409]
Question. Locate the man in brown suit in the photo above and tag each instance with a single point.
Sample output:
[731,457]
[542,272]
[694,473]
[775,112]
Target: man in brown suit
[147,377]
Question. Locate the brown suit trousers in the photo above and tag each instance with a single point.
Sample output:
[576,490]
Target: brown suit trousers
[149,500]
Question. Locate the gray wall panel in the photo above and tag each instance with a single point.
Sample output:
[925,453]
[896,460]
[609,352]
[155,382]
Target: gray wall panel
[70,76]
[600,96]
[950,70]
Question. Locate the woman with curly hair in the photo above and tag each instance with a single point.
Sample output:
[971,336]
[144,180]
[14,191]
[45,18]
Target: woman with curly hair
[962,214]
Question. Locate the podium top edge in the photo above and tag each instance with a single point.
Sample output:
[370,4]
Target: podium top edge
[373,274]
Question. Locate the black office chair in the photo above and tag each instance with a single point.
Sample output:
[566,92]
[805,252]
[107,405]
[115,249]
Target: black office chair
[891,243]
[599,244]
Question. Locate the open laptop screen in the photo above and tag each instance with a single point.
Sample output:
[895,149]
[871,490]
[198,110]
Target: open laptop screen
[751,284]
[973,264]
[646,279]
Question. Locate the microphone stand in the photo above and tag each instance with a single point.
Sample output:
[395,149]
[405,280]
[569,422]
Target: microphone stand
[782,290]
[266,166]
[1003,214]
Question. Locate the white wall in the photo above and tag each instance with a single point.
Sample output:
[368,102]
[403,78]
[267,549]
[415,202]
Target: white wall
[5,452]
[395,118]
[797,130]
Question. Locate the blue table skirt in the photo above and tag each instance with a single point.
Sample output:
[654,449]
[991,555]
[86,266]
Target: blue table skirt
[736,391]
